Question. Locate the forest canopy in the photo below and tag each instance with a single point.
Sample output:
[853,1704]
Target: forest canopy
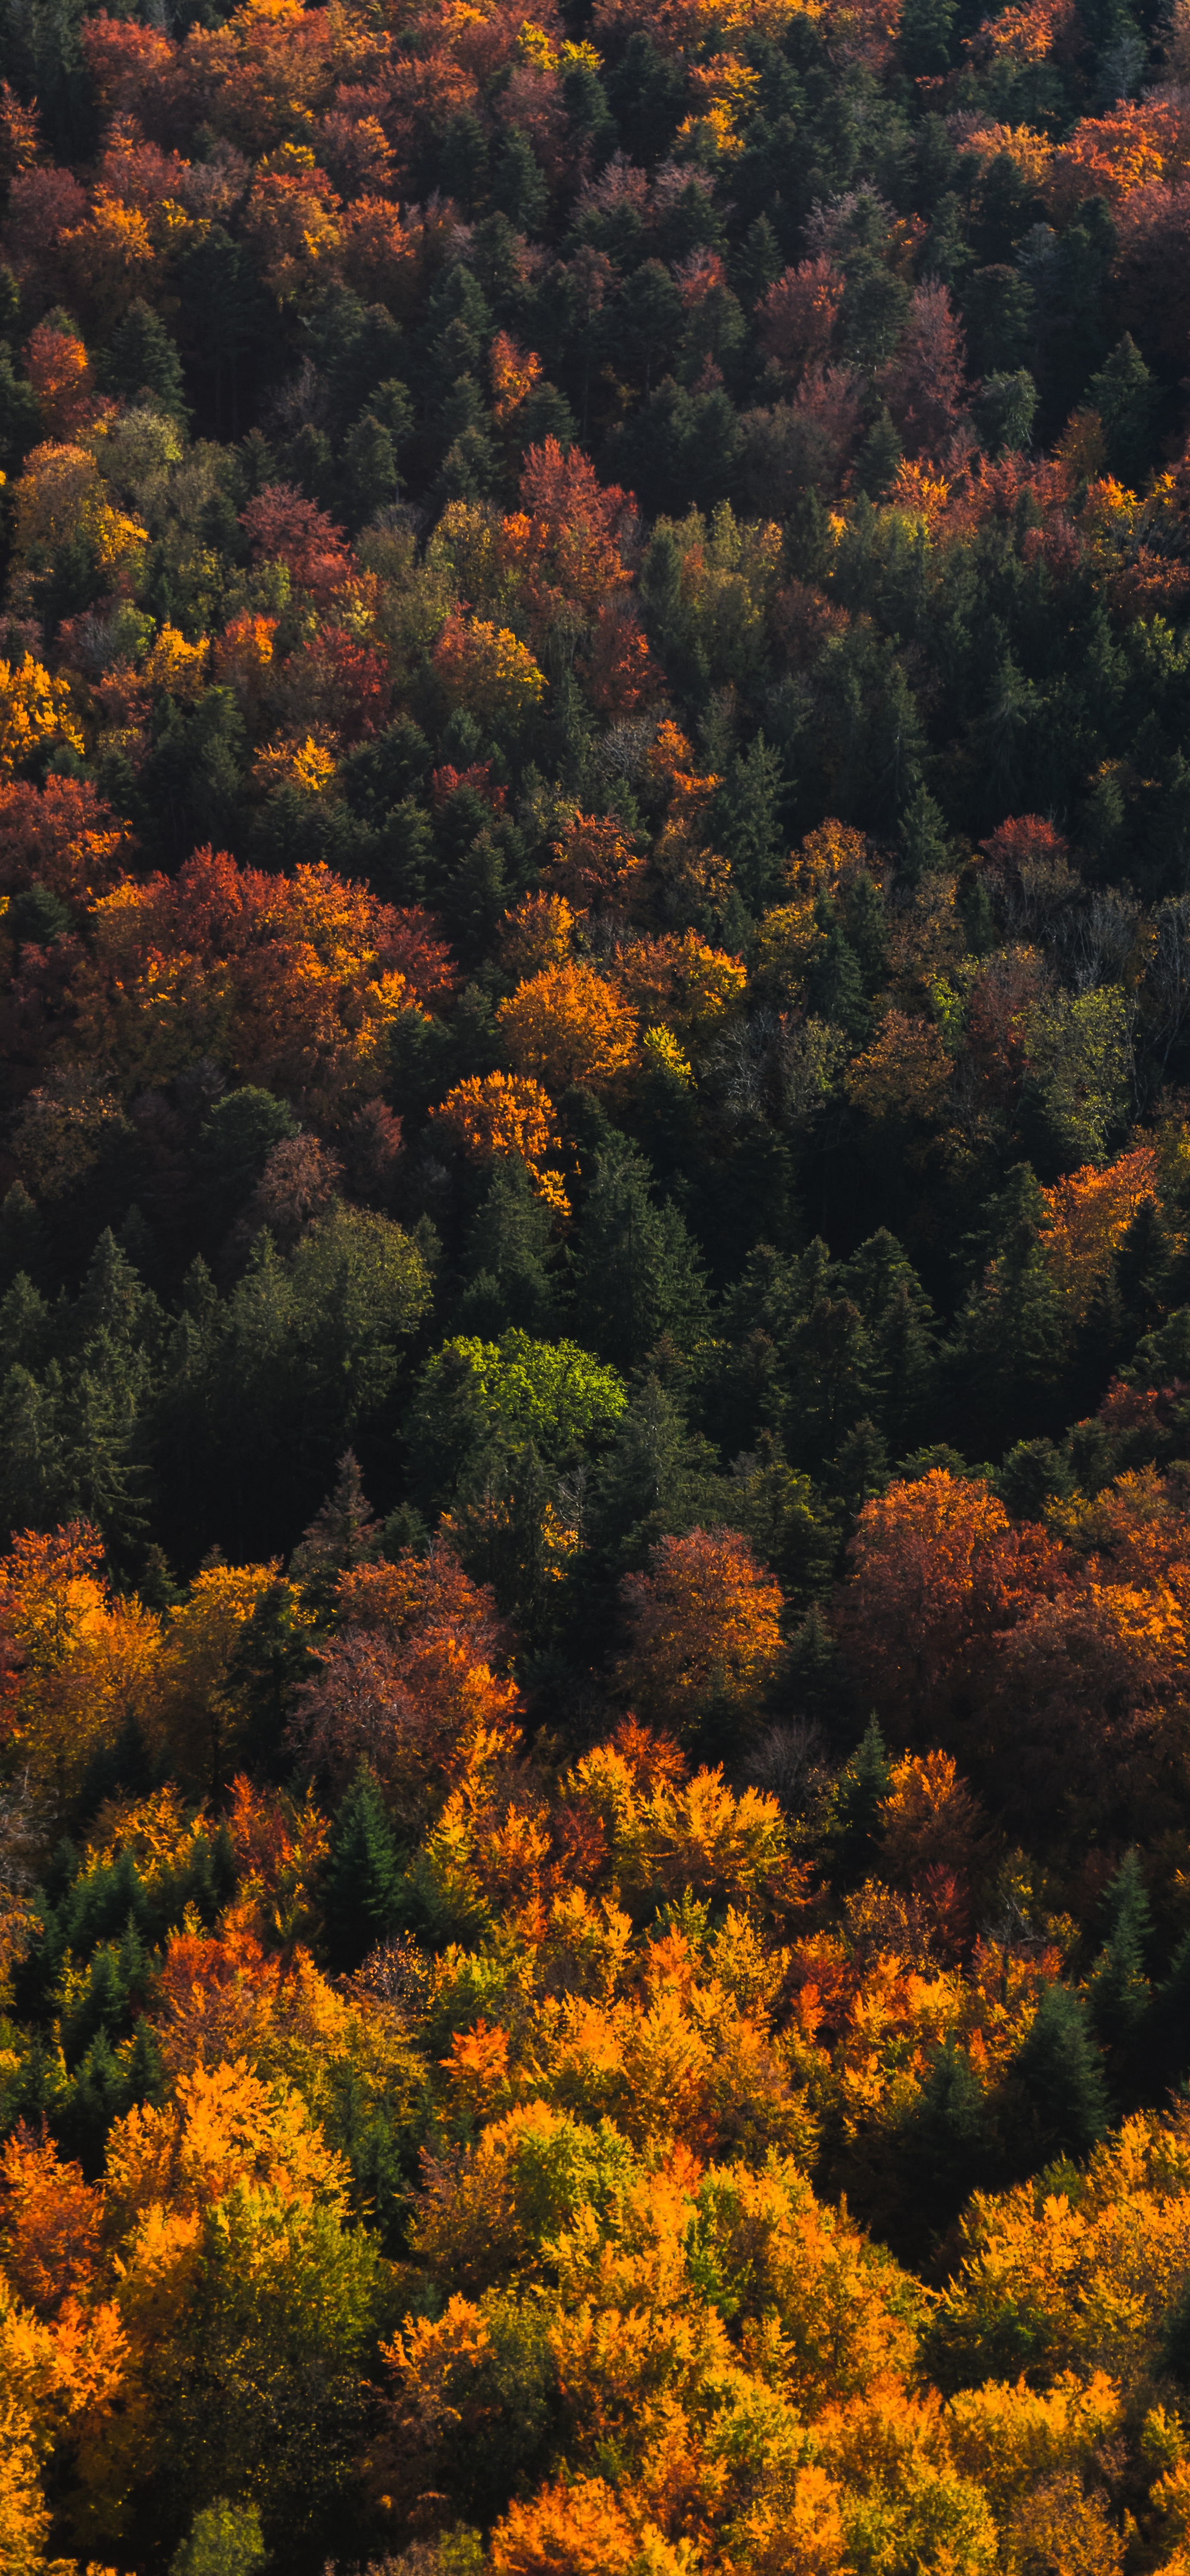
[595,1288]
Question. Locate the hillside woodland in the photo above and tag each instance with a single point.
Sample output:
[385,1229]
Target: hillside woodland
[595,1288]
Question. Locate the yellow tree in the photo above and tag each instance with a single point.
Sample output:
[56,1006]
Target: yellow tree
[569,1025]
[197,1710]
[86,1661]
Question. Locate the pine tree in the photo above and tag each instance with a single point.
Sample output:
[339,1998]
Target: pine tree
[1005,1359]
[35,1481]
[1061,2077]
[860,1467]
[363,1874]
[836,979]
[1118,1993]
[879,457]
[370,476]
[898,1318]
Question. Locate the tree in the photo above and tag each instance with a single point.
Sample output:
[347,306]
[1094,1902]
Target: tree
[704,1627]
[1124,395]
[362,1878]
[223,2540]
[487,670]
[1061,2078]
[569,1025]
[746,821]
[342,1534]
[412,1681]
[1118,1993]
[937,1574]
[196,1709]
[657,1476]
[637,1273]
[505,1393]
[142,362]
[501,1117]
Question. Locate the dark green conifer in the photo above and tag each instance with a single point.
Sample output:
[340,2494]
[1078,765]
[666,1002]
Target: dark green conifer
[1061,2078]
[362,1878]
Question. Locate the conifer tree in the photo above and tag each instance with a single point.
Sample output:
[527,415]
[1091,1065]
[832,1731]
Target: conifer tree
[637,1273]
[859,1792]
[142,363]
[657,1479]
[342,1533]
[1061,2078]
[1118,1993]
[362,1877]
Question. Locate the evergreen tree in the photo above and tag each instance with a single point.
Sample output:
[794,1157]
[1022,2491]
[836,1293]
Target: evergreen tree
[836,978]
[1124,395]
[25,1326]
[860,1467]
[342,1533]
[1118,1993]
[508,1259]
[142,363]
[859,1791]
[902,1354]
[370,476]
[1061,2079]
[925,845]
[747,823]
[946,2142]
[1005,409]
[1005,1358]
[658,1478]
[636,1273]
[879,457]
[363,1874]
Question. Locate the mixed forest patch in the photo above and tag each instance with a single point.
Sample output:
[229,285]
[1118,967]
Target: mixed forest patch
[595,1288]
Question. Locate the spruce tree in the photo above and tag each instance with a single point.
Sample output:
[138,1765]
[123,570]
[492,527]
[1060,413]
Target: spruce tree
[925,842]
[879,456]
[1005,1360]
[657,1479]
[342,1533]
[859,1792]
[1124,395]
[363,1874]
[836,980]
[1061,2078]
[747,823]
[142,363]
[1118,1993]
[637,1274]
[507,1261]
[947,2144]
